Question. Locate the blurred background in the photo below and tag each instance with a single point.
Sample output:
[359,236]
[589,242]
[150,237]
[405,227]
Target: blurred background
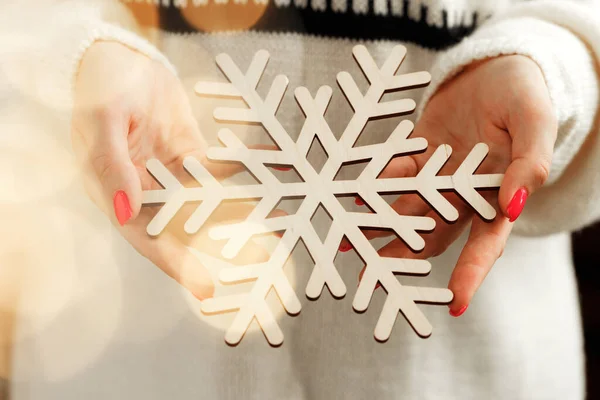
[586,253]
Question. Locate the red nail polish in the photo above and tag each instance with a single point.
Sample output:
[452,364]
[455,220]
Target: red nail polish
[282,168]
[122,207]
[358,201]
[460,312]
[516,204]
[345,247]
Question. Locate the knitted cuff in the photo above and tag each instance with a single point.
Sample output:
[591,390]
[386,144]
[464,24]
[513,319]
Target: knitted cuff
[108,32]
[42,61]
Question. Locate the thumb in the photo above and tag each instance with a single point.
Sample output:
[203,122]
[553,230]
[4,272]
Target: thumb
[118,177]
[533,138]
[121,184]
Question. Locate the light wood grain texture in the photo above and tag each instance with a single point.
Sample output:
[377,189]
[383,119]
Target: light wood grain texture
[320,189]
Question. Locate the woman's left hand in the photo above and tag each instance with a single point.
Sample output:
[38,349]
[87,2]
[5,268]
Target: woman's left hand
[503,102]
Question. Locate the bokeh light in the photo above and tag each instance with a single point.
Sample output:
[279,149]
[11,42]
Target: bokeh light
[222,321]
[215,15]
[54,264]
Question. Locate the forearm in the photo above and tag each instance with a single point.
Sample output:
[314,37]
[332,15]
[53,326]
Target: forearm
[567,54]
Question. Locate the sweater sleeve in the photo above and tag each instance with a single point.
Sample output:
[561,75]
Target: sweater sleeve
[563,38]
[42,43]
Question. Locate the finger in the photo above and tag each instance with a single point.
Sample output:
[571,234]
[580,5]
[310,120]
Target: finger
[414,205]
[398,167]
[533,130]
[171,256]
[436,242]
[485,245]
[409,204]
[170,251]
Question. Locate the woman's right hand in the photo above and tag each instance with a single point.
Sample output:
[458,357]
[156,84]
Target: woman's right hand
[128,109]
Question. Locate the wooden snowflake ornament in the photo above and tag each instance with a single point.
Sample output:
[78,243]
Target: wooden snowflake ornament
[320,188]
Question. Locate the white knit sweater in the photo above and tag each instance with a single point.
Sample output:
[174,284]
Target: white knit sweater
[106,324]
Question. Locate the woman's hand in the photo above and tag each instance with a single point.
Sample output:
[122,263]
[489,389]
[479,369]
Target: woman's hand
[503,102]
[129,109]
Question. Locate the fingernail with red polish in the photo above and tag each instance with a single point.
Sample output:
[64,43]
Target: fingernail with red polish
[358,201]
[282,168]
[460,312]
[516,204]
[122,207]
[345,247]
